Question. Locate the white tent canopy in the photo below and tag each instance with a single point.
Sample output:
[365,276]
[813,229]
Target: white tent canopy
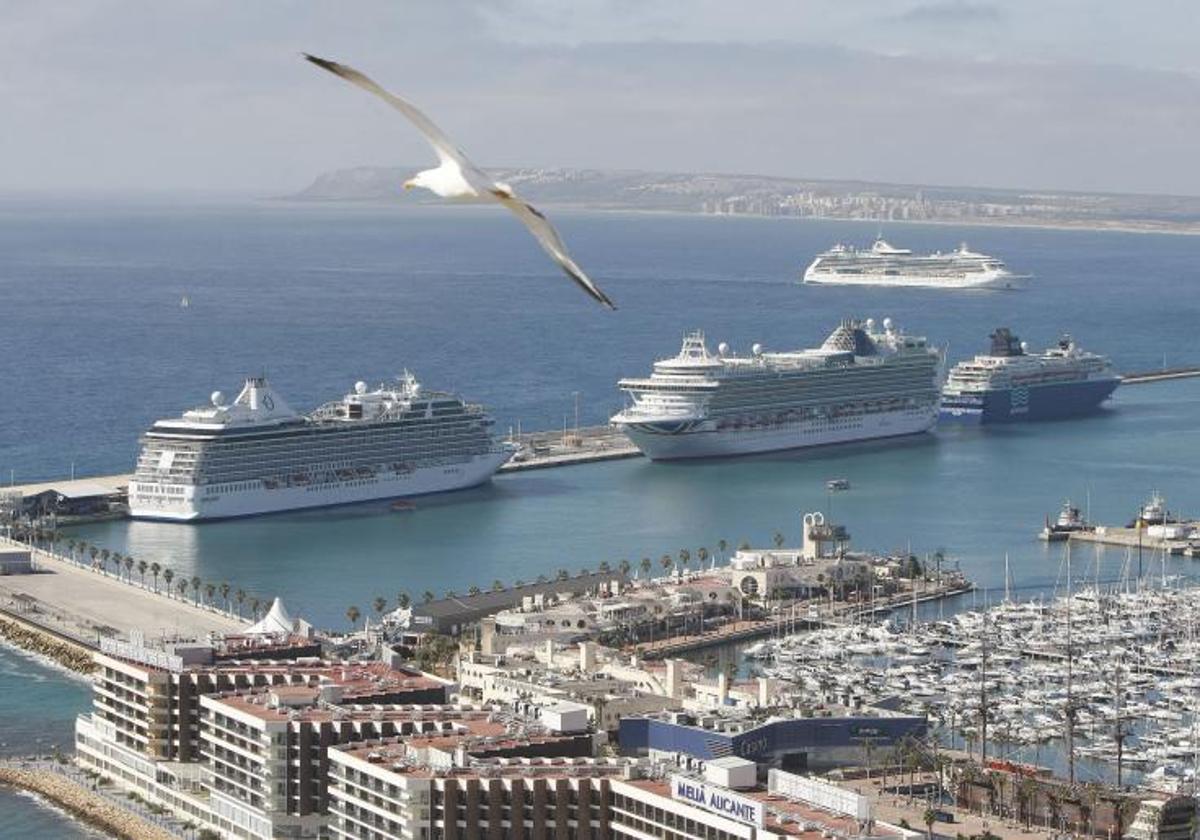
[274,622]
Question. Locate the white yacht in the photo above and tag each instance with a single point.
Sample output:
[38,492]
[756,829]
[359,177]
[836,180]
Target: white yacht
[257,455]
[861,383]
[884,265]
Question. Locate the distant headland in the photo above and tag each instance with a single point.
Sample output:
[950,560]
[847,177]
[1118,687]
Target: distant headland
[756,195]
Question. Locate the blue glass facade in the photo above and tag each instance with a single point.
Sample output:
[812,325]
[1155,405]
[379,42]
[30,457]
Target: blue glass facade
[769,742]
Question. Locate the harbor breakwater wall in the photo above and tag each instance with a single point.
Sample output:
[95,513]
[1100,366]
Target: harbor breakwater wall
[30,637]
[82,803]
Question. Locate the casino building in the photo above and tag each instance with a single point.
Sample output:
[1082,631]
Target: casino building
[797,744]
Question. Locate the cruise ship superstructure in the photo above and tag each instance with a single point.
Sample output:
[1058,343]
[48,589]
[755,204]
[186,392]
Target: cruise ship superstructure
[1011,384]
[861,383]
[257,455]
[884,265]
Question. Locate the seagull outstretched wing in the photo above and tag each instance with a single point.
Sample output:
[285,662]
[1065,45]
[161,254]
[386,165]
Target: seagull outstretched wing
[442,145]
[450,154]
[551,242]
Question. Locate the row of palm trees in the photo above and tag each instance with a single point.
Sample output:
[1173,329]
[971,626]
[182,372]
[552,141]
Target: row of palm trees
[107,561]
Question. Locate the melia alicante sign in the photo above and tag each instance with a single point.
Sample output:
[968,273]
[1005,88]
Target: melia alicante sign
[718,800]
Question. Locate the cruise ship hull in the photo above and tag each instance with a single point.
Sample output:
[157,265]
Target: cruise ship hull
[192,504]
[980,280]
[1040,402]
[675,441]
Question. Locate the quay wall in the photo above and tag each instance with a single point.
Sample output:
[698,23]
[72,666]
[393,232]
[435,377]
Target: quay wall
[85,805]
[55,646]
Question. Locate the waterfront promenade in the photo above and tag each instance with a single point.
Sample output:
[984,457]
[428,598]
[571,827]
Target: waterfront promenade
[84,604]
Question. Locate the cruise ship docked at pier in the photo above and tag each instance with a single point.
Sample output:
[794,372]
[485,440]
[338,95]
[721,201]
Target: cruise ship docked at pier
[884,265]
[1010,384]
[861,383]
[256,455]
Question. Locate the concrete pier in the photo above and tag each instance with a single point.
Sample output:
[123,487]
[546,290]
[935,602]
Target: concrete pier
[1129,538]
[84,604]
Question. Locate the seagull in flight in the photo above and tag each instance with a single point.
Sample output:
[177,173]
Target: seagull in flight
[457,178]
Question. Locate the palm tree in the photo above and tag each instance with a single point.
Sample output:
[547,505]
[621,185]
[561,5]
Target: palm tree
[209,591]
[929,817]
[450,593]
[168,576]
[473,591]
[240,598]
[518,583]
[778,539]
[403,600]
[224,588]
[542,578]
[142,566]
[255,605]
[104,555]
[685,558]
[604,568]
[702,556]
[196,590]
[584,571]
[155,569]
[182,587]
[625,566]
[128,561]
[667,562]
[722,546]
[563,574]
[92,552]
[352,614]
[428,596]
[744,545]
[71,548]
[646,564]
[497,585]
[379,604]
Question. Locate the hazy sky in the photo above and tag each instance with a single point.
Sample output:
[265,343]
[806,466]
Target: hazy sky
[179,94]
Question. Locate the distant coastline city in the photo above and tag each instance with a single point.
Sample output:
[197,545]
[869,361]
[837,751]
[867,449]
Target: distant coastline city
[801,198]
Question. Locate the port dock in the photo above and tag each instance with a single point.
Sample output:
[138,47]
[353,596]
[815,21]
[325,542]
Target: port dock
[1147,377]
[1133,538]
[83,605]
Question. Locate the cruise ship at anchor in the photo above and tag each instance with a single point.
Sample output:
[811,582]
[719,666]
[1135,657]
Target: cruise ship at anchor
[1010,384]
[884,265]
[861,383]
[257,455]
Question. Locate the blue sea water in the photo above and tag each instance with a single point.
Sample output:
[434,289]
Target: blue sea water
[38,705]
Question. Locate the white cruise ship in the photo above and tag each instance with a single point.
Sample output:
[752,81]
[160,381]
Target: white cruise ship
[884,265]
[256,455]
[862,383]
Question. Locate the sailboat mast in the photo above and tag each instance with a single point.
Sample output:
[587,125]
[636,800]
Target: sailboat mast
[1070,682]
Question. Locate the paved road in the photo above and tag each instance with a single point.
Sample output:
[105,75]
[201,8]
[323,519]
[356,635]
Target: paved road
[77,601]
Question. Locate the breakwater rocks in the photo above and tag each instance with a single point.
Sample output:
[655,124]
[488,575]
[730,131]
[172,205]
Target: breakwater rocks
[70,655]
[83,804]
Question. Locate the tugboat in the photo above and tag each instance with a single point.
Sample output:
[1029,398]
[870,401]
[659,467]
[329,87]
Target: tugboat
[1154,512]
[1069,521]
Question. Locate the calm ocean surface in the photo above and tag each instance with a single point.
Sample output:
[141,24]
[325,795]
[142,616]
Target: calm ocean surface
[94,347]
[38,705]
